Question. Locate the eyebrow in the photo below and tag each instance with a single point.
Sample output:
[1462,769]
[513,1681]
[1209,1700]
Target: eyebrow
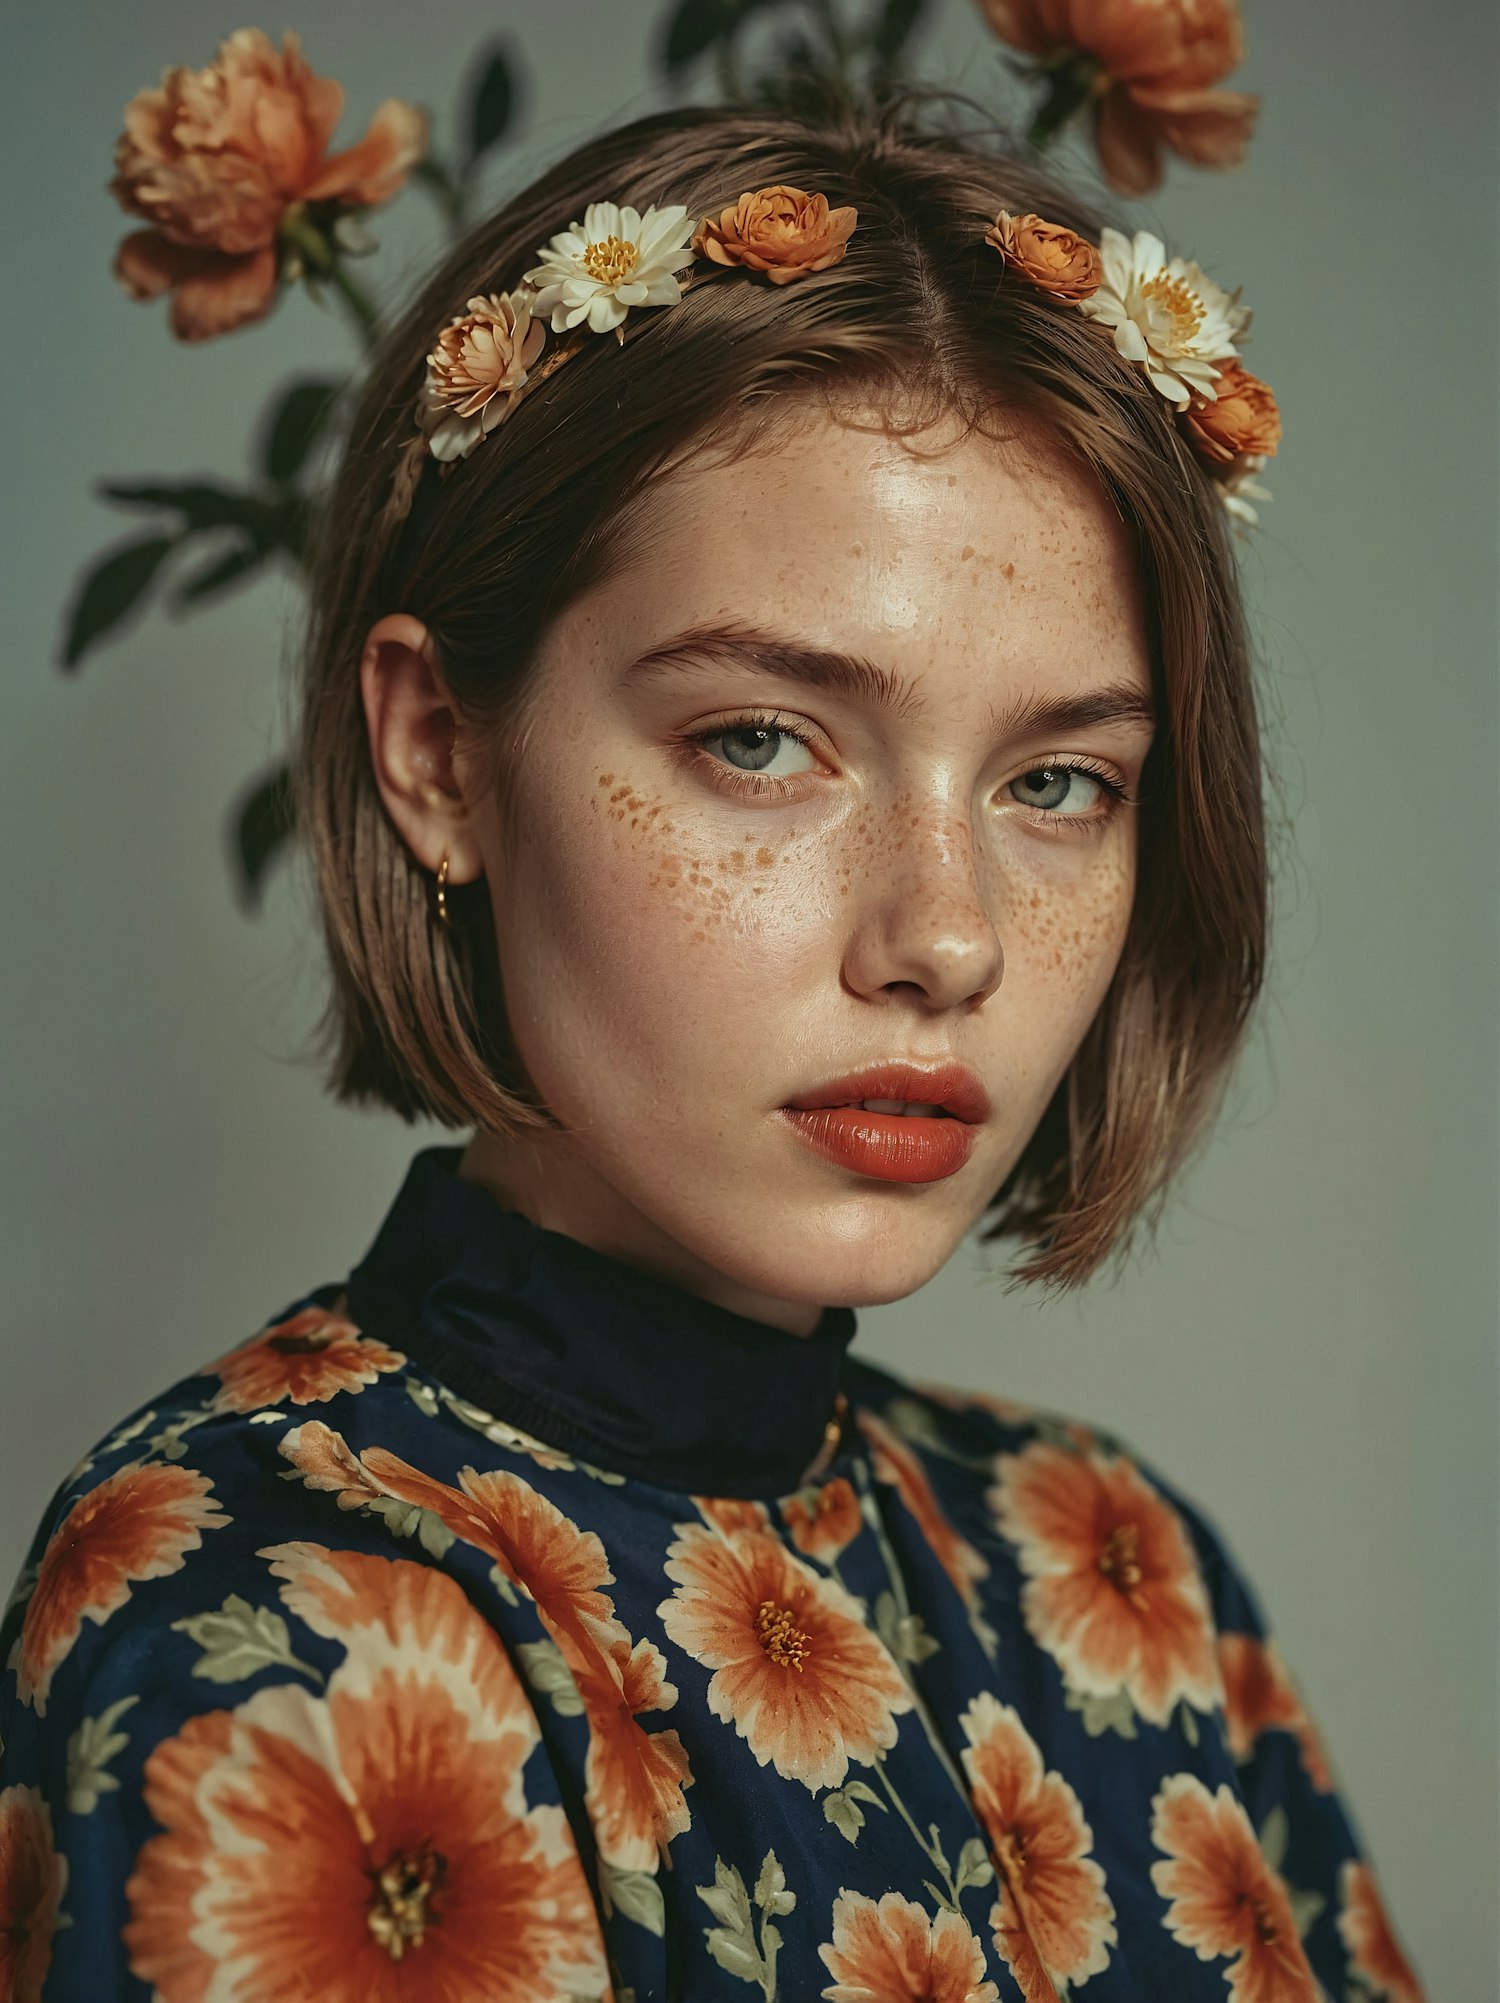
[775,655]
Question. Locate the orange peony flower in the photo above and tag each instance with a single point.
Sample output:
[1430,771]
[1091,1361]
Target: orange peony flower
[895,1463]
[1225,1897]
[1156,59]
[33,1878]
[797,1673]
[308,1358]
[1054,259]
[373,1840]
[1242,417]
[1114,1593]
[825,1524]
[889,1951]
[1053,1919]
[1367,1933]
[1259,1696]
[138,1524]
[215,160]
[781,231]
[633,1779]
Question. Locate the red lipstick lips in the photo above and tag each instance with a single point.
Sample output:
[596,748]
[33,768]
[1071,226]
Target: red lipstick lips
[889,1145]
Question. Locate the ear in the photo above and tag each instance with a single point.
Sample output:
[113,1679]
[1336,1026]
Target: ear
[412,724]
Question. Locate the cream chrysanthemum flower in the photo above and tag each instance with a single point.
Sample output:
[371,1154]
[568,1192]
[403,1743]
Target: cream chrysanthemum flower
[1240,489]
[614,259]
[476,372]
[1166,314]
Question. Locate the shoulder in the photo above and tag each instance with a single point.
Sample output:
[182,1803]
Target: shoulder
[1045,1481]
[176,1500]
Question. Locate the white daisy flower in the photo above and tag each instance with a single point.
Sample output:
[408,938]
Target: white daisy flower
[614,259]
[1169,316]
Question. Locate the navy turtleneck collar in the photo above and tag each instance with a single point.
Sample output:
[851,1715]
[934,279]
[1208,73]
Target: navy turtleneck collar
[625,1370]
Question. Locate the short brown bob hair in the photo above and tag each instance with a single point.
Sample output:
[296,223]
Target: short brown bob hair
[921,315]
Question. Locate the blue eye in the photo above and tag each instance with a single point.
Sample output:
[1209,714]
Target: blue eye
[752,747]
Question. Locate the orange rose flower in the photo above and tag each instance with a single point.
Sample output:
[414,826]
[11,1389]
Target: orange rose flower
[1156,59]
[33,1878]
[781,231]
[370,1840]
[887,1950]
[308,1358]
[1054,259]
[1053,1919]
[1225,1897]
[214,160]
[138,1524]
[823,1521]
[1113,1591]
[633,1779]
[1259,1696]
[1367,1933]
[797,1673]
[1242,417]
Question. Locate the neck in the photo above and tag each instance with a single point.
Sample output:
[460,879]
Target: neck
[544,1179]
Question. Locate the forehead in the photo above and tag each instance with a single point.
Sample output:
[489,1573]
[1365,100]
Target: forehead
[937,550]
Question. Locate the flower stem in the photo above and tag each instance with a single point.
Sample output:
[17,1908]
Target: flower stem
[931,1851]
[361,309]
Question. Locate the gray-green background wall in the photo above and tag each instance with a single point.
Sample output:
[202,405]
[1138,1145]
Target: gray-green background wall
[1311,1350]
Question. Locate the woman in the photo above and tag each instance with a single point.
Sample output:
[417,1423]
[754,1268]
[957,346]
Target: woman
[788,778]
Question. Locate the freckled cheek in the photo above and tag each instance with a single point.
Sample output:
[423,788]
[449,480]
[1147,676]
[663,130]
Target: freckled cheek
[1066,926]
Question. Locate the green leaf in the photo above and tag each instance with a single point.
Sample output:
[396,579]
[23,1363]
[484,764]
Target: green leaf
[1113,1713]
[90,1749]
[218,575]
[695,26]
[1189,1724]
[732,1941]
[239,1641]
[974,1866]
[897,19]
[492,102]
[111,590]
[201,504]
[770,1893]
[847,1817]
[548,1674]
[636,1894]
[1274,1832]
[1306,1907]
[903,1634]
[294,426]
[264,821]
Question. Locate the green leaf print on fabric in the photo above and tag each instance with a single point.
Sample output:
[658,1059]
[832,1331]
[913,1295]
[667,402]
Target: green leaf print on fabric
[843,1810]
[733,1943]
[1113,1713]
[543,1666]
[636,1894]
[90,1749]
[239,1641]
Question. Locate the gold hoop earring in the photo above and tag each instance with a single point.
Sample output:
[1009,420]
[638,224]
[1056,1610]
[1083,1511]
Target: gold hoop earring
[442,889]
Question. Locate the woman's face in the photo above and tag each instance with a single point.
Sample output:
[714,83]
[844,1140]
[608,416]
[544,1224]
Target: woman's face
[791,806]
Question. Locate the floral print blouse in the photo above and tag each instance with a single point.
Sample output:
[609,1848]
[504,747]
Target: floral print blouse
[505,1625]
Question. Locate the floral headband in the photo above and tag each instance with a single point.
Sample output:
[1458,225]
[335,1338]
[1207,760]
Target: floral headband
[1168,317]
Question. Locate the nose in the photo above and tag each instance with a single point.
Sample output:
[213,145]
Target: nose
[923,926]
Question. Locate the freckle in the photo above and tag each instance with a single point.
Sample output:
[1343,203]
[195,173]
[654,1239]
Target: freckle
[764,858]
[635,820]
[952,479]
[1007,570]
[606,778]
[856,549]
[758,890]
[619,793]
[966,552]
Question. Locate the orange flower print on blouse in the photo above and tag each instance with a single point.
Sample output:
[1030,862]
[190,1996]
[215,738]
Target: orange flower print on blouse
[306,1359]
[728,1514]
[823,1521]
[1053,1919]
[888,1950]
[370,1843]
[797,1673]
[33,1878]
[894,1462]
[1225,1898]
[1113,1591]
[1366,1932]
[634,1779]
[1259,1696]
[138,1524]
